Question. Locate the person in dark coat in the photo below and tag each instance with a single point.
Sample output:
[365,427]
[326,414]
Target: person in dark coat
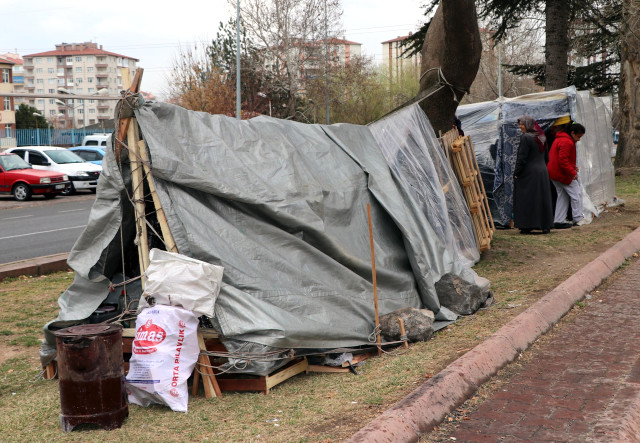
[532,207]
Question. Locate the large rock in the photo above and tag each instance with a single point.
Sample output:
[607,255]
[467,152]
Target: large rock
[460,296]
[418,324]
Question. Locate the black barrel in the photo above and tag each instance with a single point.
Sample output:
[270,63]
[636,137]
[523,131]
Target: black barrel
[91,375]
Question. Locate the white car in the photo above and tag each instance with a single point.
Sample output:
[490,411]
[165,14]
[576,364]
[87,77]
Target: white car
[82,174]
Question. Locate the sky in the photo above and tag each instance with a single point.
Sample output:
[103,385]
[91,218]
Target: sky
[155,34]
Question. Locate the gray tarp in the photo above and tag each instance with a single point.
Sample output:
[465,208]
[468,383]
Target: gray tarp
[282,207]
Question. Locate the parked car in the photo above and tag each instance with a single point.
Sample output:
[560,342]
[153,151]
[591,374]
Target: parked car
[95,140]
[17,177]
[91,154]
[83,175]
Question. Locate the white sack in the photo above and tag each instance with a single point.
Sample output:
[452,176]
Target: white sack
[177,280]
[164,353]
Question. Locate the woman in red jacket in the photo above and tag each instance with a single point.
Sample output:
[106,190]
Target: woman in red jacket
[563,173]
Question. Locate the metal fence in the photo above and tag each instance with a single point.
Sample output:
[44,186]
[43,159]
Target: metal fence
[51,137]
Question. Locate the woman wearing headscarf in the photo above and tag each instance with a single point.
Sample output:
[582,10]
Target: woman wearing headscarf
[532,207]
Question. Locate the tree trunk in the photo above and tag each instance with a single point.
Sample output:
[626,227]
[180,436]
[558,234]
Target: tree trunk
[450,59]
[556,47]
[628,152]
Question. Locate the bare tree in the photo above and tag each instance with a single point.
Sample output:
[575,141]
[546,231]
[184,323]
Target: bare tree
[628,152]
[290,32]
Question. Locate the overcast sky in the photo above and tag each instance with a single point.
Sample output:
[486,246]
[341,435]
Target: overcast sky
[153,31]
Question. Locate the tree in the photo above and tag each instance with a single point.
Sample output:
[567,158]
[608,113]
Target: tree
[26,120]
[450,59]
[628,152]
[559,18]
[289,33]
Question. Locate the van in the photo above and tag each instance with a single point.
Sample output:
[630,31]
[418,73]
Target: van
[95,140]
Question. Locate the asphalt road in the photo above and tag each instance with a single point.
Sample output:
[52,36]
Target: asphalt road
[41,227]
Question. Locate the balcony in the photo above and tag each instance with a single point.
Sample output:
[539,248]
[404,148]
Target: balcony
[105,117]
[29,86]
[102,75]
[102,65]
[102,106]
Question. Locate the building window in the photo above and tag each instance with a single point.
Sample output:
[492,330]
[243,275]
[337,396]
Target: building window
[90,90]
[78,68]
[69,59]
[49,59]
[7,131]
[78,59]
[52,91]
[5,75]
[79,80]
[90,58]
[40,91]
[7,104]
[90,69]
[89,79]
[52,101]
[60,82]
[92,111]
[60,71]
[79,90]
[80,111]
[39,70]
[52,112]
[60,60]
[50,70]
[41,102]
[53,81]
[38,59]
[91,101]
[40,80]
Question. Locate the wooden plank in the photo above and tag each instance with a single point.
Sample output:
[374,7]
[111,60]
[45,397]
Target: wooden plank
[329,369]
[124,123]
[359,358]
[243,384]
[285,374]
[211,386]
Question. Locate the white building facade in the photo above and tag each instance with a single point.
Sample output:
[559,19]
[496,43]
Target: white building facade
[79,68]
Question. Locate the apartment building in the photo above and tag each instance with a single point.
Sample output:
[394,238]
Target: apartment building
[396,64]
[7,110]
[18,76]
[78,68]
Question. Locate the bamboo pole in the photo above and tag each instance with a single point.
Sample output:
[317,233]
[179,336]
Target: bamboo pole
[375,285]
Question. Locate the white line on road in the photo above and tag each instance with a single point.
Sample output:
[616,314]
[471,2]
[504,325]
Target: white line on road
[42,232]
[14,218]
[73,210]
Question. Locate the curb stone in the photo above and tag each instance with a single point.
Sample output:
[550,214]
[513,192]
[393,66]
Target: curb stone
[35,266]
[430,403]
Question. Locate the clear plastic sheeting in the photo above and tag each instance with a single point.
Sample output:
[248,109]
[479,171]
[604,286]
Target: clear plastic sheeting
[420,166]
[495,135]
[597,173]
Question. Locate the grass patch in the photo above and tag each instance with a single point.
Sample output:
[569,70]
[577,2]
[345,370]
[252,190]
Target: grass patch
[314,407]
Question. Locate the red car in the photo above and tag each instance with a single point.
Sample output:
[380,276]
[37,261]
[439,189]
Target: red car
[18,178]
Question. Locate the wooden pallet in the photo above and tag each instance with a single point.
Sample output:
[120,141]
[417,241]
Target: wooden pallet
[465,166]
[247,382]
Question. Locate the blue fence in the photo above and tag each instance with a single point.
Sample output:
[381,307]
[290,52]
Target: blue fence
[54,137]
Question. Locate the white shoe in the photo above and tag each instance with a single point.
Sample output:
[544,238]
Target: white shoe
[580,222]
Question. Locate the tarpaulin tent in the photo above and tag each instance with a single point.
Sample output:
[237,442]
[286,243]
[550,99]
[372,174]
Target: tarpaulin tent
[281,206]
[494,130]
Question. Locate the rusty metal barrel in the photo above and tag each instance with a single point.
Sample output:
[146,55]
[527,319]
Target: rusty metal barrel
[91,376]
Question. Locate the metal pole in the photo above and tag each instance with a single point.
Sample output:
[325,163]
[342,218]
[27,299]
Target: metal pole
[238,96]
[326,60]
[499,71]
[37,133]
[73,126]
[84,119]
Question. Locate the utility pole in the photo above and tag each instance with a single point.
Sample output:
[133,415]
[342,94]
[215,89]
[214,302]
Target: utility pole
[326,60]
[238,95]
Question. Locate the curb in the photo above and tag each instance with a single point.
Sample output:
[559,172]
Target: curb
[35,266]
[430,403]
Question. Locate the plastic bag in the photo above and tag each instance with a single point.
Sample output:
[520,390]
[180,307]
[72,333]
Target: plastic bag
[164,353]
[177,280]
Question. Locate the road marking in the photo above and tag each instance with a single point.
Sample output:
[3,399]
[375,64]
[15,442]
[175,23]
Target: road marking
[42,232]
[14,218]
[73,210]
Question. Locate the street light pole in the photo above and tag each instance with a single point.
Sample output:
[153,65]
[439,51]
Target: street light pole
[102,91]
[36,115]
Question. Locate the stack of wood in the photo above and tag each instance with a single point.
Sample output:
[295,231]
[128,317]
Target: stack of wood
[462,157]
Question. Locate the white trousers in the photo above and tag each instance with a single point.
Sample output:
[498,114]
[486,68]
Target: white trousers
[568,193]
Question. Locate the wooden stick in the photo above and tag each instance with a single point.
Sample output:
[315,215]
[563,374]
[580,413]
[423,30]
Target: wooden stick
[403,333]
[162,219]
[375,285]
[123,123]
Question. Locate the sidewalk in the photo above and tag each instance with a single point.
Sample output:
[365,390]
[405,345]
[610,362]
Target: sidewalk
[583,385]
[586,388]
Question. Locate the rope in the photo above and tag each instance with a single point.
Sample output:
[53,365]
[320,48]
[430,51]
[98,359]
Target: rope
[442,81]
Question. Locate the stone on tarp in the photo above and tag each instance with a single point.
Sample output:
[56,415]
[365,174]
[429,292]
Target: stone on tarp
[418,324]
[460,296]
